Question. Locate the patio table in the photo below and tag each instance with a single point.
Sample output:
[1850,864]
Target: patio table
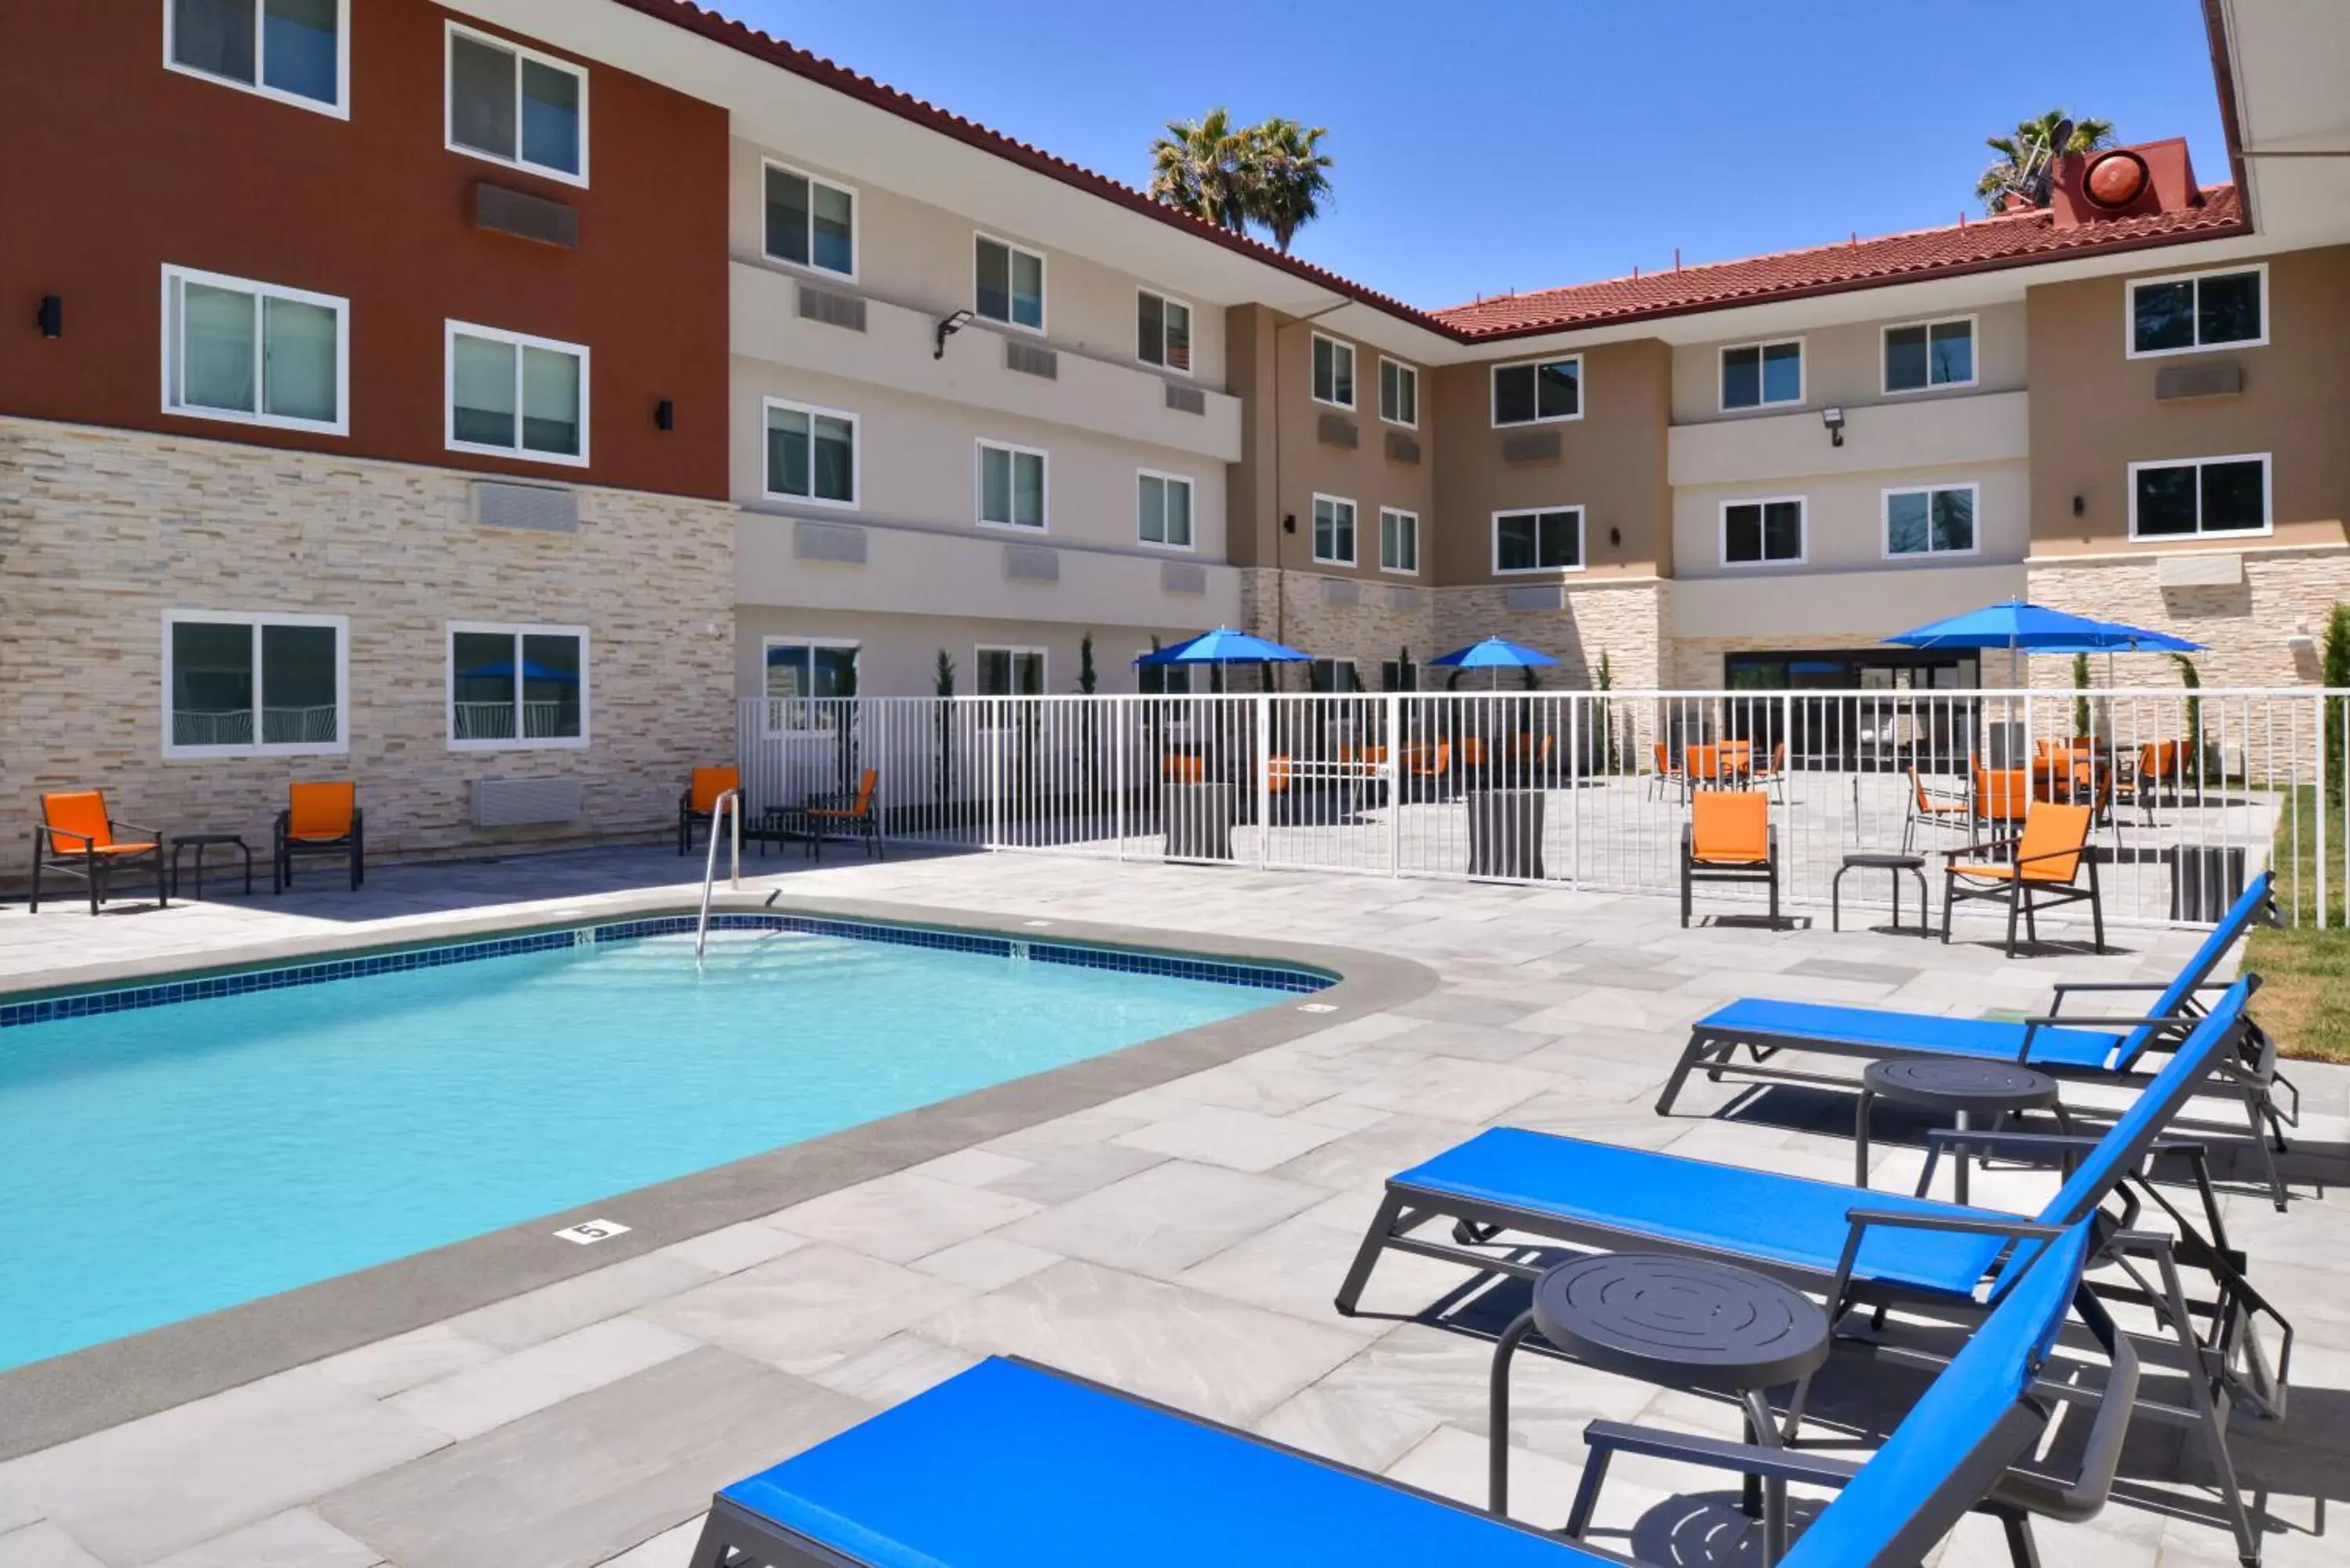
[1962,1089]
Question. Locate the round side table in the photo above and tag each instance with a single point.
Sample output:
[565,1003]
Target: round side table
[1677,1323]
[1896,865]
[1960,1088]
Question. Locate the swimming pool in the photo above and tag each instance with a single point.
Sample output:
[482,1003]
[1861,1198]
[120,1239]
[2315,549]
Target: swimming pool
[171,1149]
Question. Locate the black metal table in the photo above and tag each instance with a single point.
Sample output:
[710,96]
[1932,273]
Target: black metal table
[1677,1323]
[1895,864]
[200,842]
[1961,1087]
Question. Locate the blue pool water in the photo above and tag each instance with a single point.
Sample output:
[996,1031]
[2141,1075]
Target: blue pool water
[164,1162]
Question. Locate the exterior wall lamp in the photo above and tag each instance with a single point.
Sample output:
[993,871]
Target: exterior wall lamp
[948,327]
[1833,419]
[665,415]
[52,316]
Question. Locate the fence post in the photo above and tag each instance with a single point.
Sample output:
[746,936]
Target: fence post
[1574,785]
[1119,710]
[2317,799]
[1393,767]
[994,709]
[1263,780]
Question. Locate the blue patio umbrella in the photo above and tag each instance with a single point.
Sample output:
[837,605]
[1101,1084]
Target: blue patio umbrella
[1225,646]
[1496,654]
[2022,627]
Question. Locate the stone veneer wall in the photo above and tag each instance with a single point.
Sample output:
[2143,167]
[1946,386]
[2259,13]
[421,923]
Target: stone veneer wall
[102,531]
[2285,591]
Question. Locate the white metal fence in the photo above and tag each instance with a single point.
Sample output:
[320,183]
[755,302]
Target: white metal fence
[2192,791]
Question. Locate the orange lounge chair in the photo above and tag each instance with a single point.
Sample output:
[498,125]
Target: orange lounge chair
[700,799]
[1729,838]
[78,837]
[2043,866]
[319,819]
[854,816]
[1932,808]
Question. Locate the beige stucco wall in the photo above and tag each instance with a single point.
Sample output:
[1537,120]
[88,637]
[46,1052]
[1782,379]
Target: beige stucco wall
[103,530]
[914,254]
[1611,463]
[1844,365]
[2095,413]
[1844,522]
[898,654]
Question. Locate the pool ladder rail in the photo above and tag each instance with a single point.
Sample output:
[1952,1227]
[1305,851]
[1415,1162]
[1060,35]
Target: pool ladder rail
[726,808]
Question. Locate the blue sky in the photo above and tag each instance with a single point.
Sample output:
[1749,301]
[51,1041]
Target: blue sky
[1524,143]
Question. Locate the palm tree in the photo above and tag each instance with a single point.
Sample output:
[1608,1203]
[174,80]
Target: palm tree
[1287,176]
[1198,166]
[2015,151]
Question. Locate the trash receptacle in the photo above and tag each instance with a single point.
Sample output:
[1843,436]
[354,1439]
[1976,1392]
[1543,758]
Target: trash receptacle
[2205,882]
[1505,833]
[1199,822]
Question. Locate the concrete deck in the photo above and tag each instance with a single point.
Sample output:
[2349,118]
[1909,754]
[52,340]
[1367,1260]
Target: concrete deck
[1182,1240]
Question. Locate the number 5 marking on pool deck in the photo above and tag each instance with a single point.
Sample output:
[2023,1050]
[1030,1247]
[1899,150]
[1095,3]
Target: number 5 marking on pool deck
[588,1232]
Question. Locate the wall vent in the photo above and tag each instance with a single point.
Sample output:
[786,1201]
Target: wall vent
[840,542]
[1032,563]
[538,219]
[2198,382]
[546,508]
[1534,446]
[1338,591]
[522,803]
[1186,400]
[1402,448]
[1543,596]
[1403,599]
[1030,360]
[832,308]
[1182,577]
[1336,430]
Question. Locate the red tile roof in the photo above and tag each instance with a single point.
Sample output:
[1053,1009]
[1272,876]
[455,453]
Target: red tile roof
[1974,246]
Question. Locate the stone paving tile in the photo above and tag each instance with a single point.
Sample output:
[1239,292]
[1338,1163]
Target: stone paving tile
[1199,1352]
[42,1545]
[587,1478]
[733,1248]
[1452,1463]
[1453,1088]
[1238,1140]
[472,1402]
[969,1167]
[898,1368]
[520,1322]
[672,1548]
[1164,1219]
[807,1310]
[405,1360]
[899,1217]
[296,1539]
[986,1262]
[169,1482]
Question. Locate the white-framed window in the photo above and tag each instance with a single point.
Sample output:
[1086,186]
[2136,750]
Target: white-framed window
[1163,331]
[295,51]
[802,677]
[1538,391]
[1008,283]
[2192,311]
[1543,539]
[1399,393]
[255,353]
[1398,541]
[516,688]
[242,684]
[516,105]
[1762,375]
[1006,671]
[1333,372]
[1339,675]
[811,220]
[1334,530]
[811,454]
[2227,496]
[1927,356]
[1012,480]
[1931,520]
[1764,533]
[1162,506]
[1162,680]
[513,395]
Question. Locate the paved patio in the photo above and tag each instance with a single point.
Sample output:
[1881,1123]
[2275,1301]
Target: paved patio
[1183,1242]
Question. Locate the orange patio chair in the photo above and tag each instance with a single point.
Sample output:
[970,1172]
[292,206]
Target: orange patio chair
[2043,866]
[1277,772]
[1932,808]
[1665,775]
[700,799]
[854,815]
[78,837]
[2159,763]
[1729,838]
[2002,796]
[322,819]
[1774,775]
[1185,768]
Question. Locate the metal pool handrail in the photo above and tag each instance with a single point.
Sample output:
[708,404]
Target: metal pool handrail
[727,808]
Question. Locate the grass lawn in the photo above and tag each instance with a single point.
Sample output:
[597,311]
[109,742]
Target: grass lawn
[2304,1000]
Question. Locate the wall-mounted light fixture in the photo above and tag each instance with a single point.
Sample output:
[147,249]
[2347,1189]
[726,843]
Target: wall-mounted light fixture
[665,415]
[1833,419]
[2080,505]
[52,316]
[948,327]
[1289,523]
[1615,535]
